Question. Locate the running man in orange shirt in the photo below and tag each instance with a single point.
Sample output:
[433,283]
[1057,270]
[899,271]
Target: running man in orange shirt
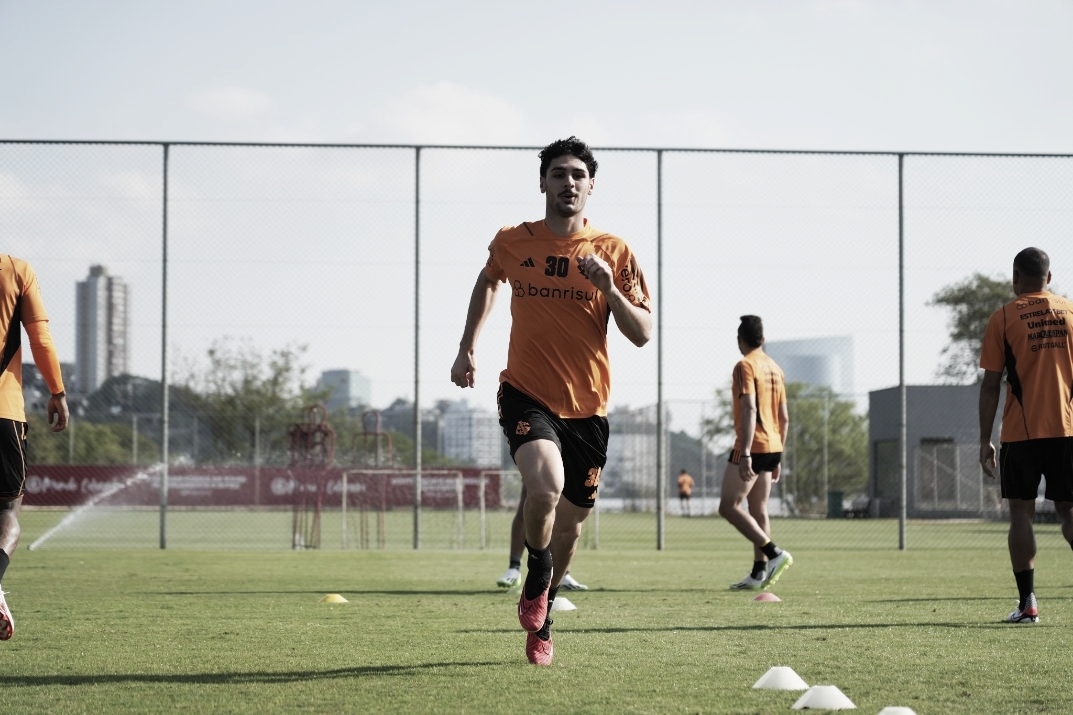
[761,420]
[1031,340]
[567,280]
[21,307]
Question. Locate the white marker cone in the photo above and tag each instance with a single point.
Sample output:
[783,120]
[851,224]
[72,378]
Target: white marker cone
[562,603]
[824,697]
[781,677]
[897,710]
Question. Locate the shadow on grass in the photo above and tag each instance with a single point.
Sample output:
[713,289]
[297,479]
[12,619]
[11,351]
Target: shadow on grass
[759,627]
[232,678]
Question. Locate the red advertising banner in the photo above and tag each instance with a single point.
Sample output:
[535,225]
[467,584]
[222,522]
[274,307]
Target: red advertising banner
[70,486]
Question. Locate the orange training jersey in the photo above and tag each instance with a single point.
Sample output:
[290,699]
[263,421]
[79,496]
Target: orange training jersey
[558,336]
[757,374]
[19,288]
[1029,338]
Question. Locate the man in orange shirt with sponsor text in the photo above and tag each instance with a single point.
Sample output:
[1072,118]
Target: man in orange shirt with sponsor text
[1029,339]
[567,280]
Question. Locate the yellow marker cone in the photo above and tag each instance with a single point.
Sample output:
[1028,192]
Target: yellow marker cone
[333,598]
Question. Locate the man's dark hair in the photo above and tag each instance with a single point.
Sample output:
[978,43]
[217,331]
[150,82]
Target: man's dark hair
[562,147]
[1032,263]
[751,330]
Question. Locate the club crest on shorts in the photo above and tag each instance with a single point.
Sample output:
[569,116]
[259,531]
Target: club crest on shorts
[522,428]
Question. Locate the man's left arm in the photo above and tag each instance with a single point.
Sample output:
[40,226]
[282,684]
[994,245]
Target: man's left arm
[48,364]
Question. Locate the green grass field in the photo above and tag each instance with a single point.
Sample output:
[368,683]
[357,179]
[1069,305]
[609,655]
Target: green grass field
[145,630]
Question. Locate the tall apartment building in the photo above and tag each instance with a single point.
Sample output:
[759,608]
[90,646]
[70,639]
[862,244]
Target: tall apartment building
[102,332]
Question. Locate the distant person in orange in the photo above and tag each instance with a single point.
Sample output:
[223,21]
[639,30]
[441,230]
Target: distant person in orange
[567,281]
[21,307]
[1030,339]
[761,420]
[685,491]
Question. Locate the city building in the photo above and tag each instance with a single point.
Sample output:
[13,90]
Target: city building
[943,475]
[102,330]
[471,436]
[348,389]
[630,472]
[822,362]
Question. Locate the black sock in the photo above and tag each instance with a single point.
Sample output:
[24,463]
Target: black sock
[770,550]
[759,569]
[551,597]
[1026,585]
[545,630]
[4,561]
[539,574]
[516,562]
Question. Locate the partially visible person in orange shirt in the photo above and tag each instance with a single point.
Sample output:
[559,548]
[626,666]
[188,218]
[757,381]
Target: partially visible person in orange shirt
[1030,339]
[21,307]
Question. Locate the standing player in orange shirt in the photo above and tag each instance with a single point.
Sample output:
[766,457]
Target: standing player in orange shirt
[567,281]
[21,307]
[761,420]
[1031,340]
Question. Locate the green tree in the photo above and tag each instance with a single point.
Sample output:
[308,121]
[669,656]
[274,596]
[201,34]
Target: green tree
[92,442]
[43,446]
[827,448]
[971,302]
[242,401]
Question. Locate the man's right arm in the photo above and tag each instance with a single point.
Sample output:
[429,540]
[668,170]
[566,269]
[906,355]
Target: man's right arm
[481,301]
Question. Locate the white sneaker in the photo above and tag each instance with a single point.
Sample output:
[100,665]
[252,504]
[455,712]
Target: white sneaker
[1030,614]
[569,583]
[748,584]
[776,567]
[510,579]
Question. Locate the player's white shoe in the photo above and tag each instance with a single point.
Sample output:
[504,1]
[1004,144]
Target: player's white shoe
[749,583]
[569,583]
[1030,613]
[776,567]
[510,579]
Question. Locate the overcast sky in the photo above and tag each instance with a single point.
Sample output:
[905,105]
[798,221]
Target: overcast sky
[912,75]
[904,75]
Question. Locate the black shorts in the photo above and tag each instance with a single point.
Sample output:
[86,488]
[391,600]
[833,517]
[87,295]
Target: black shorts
[762,462]
[1021,464]
[582,442]
[12,459]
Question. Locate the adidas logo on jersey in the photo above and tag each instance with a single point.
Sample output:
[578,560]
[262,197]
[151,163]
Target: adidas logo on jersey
[528,263]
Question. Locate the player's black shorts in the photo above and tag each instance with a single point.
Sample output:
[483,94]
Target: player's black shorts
[582,442]
[762,462]
[1021,464]
[12,458]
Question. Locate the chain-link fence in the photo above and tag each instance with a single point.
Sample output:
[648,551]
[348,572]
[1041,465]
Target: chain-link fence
[252,271]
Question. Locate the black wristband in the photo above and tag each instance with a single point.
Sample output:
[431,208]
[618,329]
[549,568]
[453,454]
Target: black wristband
[59,394]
